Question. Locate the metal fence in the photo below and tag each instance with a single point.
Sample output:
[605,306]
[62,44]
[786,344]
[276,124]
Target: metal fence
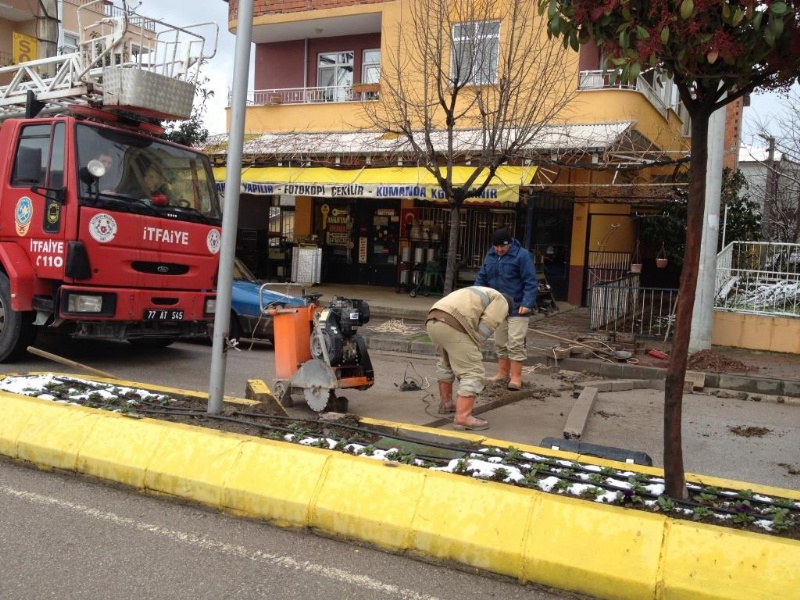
[758,278]
[607,266]
[751,277]
[623,306]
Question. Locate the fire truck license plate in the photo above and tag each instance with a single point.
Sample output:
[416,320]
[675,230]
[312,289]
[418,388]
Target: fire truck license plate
[156,314]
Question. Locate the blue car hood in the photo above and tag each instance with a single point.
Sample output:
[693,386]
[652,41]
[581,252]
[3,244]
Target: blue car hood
[245,298]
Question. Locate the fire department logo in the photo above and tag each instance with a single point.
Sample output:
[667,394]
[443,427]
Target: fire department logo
[213,241]
[103,227]
[23,214]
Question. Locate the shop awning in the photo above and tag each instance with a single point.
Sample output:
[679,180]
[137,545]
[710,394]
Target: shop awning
[381,182]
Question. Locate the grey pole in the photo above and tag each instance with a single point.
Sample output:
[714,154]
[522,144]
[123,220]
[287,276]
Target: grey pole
[703,312]
[770,195]
[230,216]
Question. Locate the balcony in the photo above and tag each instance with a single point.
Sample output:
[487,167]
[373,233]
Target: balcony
[313,95]
[657,92]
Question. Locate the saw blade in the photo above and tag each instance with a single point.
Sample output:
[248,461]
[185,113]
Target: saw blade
[317,397]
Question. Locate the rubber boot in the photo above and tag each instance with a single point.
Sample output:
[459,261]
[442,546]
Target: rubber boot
[464,419]
[502,373]
[446,405]
[515,383]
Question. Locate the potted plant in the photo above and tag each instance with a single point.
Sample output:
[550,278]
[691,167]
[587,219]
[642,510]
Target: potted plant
[661,257]
[363,88]
[636,261]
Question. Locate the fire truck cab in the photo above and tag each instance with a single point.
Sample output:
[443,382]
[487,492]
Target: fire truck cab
[107,230]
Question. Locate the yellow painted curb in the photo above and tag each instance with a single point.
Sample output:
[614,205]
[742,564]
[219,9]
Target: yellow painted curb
[568,543]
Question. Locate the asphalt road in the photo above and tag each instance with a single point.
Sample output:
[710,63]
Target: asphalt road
[69,538]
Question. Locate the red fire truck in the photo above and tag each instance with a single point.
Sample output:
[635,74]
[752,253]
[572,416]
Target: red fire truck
[106,229]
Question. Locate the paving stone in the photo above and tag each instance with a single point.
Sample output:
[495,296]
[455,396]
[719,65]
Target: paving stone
[576,421]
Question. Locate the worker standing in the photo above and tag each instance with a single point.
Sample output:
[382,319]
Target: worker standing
[509,269]
[458,324]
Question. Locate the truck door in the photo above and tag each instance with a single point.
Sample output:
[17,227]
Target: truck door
[38,195]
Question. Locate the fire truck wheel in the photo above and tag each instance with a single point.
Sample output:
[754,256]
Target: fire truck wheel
[17,330]
[153,343]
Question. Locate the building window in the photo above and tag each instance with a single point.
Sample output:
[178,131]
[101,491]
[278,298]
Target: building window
[476,50]
[69,43]
[335,72]
[371,66]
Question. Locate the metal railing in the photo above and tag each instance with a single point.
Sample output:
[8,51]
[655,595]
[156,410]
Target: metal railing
[601,80]
[758,278]
[128,42]
[607,266]
[622,306]
[307,95]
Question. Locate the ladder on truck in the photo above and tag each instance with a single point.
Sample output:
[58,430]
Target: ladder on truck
[128,62]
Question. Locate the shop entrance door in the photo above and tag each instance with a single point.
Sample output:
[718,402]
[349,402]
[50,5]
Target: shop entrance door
[335,223]
[379,243]
[359,243]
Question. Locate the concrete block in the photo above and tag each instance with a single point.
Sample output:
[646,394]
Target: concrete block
[734,382]
[576,421]
[388,344]
[600,386]
[696,380]
[424,348]
[622,385]
[259,391]
[791,388]
[767,386]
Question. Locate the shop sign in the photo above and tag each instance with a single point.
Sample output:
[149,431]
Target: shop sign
[327,190]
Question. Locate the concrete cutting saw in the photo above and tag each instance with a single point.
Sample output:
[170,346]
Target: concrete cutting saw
[318,350]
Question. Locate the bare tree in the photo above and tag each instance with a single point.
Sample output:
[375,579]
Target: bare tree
[470,82]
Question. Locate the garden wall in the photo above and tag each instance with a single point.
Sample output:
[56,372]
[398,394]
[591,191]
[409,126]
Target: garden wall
[756,332]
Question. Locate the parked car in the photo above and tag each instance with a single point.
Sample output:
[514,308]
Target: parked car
[247,299]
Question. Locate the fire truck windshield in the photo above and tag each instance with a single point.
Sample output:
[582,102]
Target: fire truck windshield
[136,173]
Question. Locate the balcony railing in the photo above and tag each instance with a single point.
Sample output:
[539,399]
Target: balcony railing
[310,95]
[601,80]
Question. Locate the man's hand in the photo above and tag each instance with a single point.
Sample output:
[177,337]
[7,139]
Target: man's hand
[524,310]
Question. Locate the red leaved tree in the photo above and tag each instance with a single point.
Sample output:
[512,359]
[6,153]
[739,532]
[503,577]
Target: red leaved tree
[716,51]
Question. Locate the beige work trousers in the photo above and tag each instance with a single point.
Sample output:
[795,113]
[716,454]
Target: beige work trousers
[510,338]
[459,358]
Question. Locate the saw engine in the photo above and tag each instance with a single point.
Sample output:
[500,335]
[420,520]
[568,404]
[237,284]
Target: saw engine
[336,341]
[318,350]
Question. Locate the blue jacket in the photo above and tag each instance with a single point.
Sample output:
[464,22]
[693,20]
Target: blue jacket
[513,274]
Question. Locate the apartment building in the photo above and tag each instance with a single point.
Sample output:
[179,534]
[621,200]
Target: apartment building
[318,171]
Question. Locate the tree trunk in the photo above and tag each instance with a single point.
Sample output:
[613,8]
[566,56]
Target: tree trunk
[674,473]
[452,249]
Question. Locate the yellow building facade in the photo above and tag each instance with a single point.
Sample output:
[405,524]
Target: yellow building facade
[321,71]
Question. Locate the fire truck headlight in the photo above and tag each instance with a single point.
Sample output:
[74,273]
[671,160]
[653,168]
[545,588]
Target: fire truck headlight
[210,307]
[82,303]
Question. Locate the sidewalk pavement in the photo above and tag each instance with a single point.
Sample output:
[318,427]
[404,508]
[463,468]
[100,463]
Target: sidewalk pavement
[764,370]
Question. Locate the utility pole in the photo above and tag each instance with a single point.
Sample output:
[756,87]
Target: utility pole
[770,190]
[703,311]
[230,214]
